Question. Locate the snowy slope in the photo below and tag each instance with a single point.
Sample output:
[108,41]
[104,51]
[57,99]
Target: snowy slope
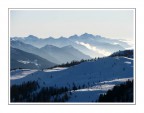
[94,77]
[91,94]
[20,73]
[84,73]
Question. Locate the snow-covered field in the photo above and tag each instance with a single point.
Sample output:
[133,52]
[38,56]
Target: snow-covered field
[55,69]
[96,77]
[20,73]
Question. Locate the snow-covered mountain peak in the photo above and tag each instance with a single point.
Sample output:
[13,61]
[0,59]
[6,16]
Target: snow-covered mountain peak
[62,37]
[32,37]
[87,35]
[74,36]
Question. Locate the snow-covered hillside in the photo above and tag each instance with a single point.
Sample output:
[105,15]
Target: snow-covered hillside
[91,94]
[92,77]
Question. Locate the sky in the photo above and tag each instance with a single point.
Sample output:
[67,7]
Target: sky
[110,23]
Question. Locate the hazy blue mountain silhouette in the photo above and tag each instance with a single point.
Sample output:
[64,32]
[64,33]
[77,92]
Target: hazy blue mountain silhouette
[64,54]
[31,49]
[21,59]
[101,43]
[52,53]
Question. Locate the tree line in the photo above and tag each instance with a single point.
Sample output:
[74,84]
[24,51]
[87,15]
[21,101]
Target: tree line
[29,92]
[120,93]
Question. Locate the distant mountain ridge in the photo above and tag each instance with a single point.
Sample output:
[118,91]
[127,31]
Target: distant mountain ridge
[52,53]
[125,53]
[89,44]
[21,59]
[31,49]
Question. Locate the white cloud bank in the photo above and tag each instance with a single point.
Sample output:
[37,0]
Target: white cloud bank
[129,42]
[94,49]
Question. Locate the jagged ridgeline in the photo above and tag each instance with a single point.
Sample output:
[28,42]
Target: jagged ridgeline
[67,49]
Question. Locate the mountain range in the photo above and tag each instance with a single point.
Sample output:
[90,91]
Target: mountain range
[40,71]
[61,50]
[89,44]
[21,59]
[52,53]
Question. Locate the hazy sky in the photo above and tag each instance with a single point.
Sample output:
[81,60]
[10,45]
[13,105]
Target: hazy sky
[56,23]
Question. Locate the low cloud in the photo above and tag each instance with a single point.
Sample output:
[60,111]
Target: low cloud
[115,43]
[129,42]
[93,48]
